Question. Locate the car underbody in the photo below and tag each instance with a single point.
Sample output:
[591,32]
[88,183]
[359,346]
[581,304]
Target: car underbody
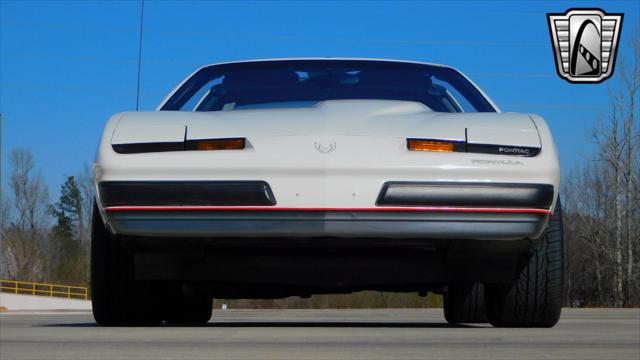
[280,267]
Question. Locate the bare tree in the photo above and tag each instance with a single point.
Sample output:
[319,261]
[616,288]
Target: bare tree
[588,240]
[631,83]
[21,240]
[88,192]
[4,227]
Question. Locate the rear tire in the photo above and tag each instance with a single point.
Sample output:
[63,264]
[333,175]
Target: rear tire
[534,298]
[464,303]
[117,299]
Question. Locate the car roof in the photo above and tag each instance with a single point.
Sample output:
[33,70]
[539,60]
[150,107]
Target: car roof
[327,59]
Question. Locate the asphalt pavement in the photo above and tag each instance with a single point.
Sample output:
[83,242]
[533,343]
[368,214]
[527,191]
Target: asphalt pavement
[322,334]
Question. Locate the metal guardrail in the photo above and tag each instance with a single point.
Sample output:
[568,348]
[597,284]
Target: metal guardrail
[42,289]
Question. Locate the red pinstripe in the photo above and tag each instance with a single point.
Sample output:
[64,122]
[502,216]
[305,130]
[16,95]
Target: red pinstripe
[381,208]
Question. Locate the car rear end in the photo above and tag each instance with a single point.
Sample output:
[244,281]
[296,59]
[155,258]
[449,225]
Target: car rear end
[369,182]
[339,196]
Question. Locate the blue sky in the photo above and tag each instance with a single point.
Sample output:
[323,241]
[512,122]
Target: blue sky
[65,67]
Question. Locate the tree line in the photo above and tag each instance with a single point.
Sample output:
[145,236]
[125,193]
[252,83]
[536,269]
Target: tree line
[44,241]
[602,198]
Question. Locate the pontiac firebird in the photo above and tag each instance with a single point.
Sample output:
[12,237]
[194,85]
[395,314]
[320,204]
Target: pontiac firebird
[294,177]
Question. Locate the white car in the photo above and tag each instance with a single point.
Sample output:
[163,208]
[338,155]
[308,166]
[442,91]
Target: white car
[294,177]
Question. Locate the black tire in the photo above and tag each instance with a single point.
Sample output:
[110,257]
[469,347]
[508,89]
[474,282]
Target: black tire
[534,299]
[181,309]
[117,299]
[464,303]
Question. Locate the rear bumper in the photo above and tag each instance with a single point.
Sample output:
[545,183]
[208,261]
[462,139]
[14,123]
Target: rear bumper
[443,223]
[428,210]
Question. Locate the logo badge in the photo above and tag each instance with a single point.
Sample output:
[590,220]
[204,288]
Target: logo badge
[325,149]
[514,150]
[585,42]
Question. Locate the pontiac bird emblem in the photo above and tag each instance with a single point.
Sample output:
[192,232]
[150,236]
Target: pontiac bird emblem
[585,42]
[325,149]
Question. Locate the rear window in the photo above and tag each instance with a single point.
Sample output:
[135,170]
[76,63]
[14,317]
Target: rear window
[303,83]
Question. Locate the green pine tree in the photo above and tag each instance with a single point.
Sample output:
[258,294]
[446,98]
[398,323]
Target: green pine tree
[68,265]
